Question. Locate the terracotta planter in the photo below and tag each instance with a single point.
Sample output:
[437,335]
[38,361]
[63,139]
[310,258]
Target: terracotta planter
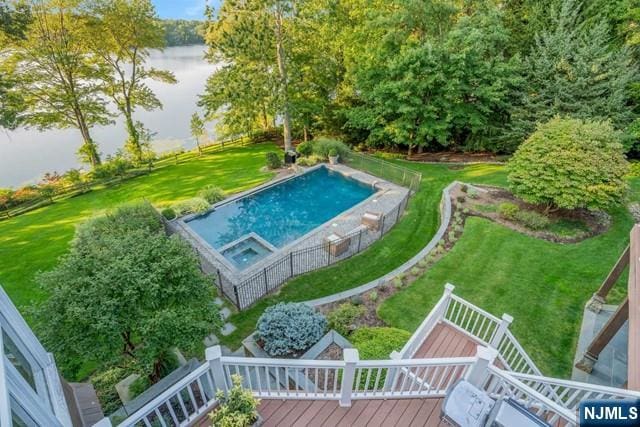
[333,160]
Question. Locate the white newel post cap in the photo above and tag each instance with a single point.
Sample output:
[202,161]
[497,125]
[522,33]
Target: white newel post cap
[486,353]
[507,318]
[448,288]
[213,352]
[351,355]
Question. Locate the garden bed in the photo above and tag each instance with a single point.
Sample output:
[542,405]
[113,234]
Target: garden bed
[559,226]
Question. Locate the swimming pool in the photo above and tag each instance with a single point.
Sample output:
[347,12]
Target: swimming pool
[250,228]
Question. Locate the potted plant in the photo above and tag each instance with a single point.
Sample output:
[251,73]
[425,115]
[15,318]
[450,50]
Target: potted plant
[238,408]
[333,156]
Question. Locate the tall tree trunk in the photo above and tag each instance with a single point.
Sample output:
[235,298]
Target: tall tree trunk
[134,137]
[265,119]
[306,133]
[89,147]
[282,68]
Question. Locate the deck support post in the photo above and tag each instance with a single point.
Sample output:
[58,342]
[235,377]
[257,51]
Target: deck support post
[600,297]
[351,358]
[505,322]
[600,341]
[479,371]
[214,357]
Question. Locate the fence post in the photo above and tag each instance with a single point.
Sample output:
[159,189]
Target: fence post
[266,282]
[501,330]
[398,215]
[214,357]
[219,281]
[291,263]
[359,240]
[384,217]
[351,358]
[479,371]
[329,254]
[235,291]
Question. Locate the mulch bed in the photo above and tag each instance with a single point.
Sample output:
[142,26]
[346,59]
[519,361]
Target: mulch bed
[595,222]
[456,157]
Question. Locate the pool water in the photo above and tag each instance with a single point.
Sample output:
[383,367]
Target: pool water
[280,213]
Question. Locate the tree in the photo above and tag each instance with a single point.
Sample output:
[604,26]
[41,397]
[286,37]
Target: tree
[182,32]
[53,73]
[14,19]
[126,290]
[436,84]
[121,34]
[574,70]
[197,130]
[251,38]
[570,163]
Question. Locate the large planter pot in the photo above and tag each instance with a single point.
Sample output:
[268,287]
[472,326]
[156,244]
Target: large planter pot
[333,160]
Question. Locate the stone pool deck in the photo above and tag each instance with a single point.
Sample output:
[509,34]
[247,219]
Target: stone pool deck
[386,201]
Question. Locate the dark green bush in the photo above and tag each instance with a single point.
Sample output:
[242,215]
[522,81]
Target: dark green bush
[273,160]
[289,328]
[343,318]
[508,210]
[105,386]
[532,220]
[305,148]
[168,213]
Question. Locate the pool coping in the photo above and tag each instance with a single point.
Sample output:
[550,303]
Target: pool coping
[238,275]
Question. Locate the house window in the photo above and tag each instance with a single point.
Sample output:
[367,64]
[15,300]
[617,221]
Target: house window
[20,417]
[18,360]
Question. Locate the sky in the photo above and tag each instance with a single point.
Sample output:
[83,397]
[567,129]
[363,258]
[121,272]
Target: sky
[182,9]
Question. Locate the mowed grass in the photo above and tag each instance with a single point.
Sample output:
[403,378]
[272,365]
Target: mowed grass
[411,234]
[543,285]
[34,241]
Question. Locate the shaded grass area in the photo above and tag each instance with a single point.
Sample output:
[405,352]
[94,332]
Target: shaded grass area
[411,234]
[543,285]
[34,241]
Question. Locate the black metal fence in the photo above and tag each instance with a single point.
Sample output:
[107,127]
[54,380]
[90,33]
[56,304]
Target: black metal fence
[383,169]
[251,289]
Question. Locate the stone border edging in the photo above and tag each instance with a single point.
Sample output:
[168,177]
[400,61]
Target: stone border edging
[445,219]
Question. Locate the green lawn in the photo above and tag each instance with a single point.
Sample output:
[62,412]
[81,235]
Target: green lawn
[409,236]
[543,285]
[33,242]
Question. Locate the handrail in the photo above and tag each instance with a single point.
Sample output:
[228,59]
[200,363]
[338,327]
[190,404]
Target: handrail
[529,396]
[570,393]
[189,411]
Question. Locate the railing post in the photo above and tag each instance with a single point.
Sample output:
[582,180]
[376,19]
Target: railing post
[479,371]
[351,358]
[291,263]
[214,358]
[266,282]
[235,291]
[359,240]
[392,373]
[448,291]
[219,281]
[501,330]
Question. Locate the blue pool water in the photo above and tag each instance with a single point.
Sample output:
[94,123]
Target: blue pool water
[281,213]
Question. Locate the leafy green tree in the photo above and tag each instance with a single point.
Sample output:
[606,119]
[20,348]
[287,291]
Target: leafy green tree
[570,163]
[450,85]
[52,71]
[197,130]
[574,70]
[121,35]
[251,38]
[126,290]
[14,19]
[182,32]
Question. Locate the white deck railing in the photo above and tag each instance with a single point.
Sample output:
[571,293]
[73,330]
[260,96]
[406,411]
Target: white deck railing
[482,326]
[180,404]
[569,394]
[502,384]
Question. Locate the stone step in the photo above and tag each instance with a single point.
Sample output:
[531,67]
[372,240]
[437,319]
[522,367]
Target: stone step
[227,329]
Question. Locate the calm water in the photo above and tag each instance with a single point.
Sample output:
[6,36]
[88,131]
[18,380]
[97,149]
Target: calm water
[282,213]
[25,155]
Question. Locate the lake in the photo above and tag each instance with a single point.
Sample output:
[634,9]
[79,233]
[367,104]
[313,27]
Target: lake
[26,154]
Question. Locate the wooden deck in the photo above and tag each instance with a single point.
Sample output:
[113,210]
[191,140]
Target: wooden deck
[446,341]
